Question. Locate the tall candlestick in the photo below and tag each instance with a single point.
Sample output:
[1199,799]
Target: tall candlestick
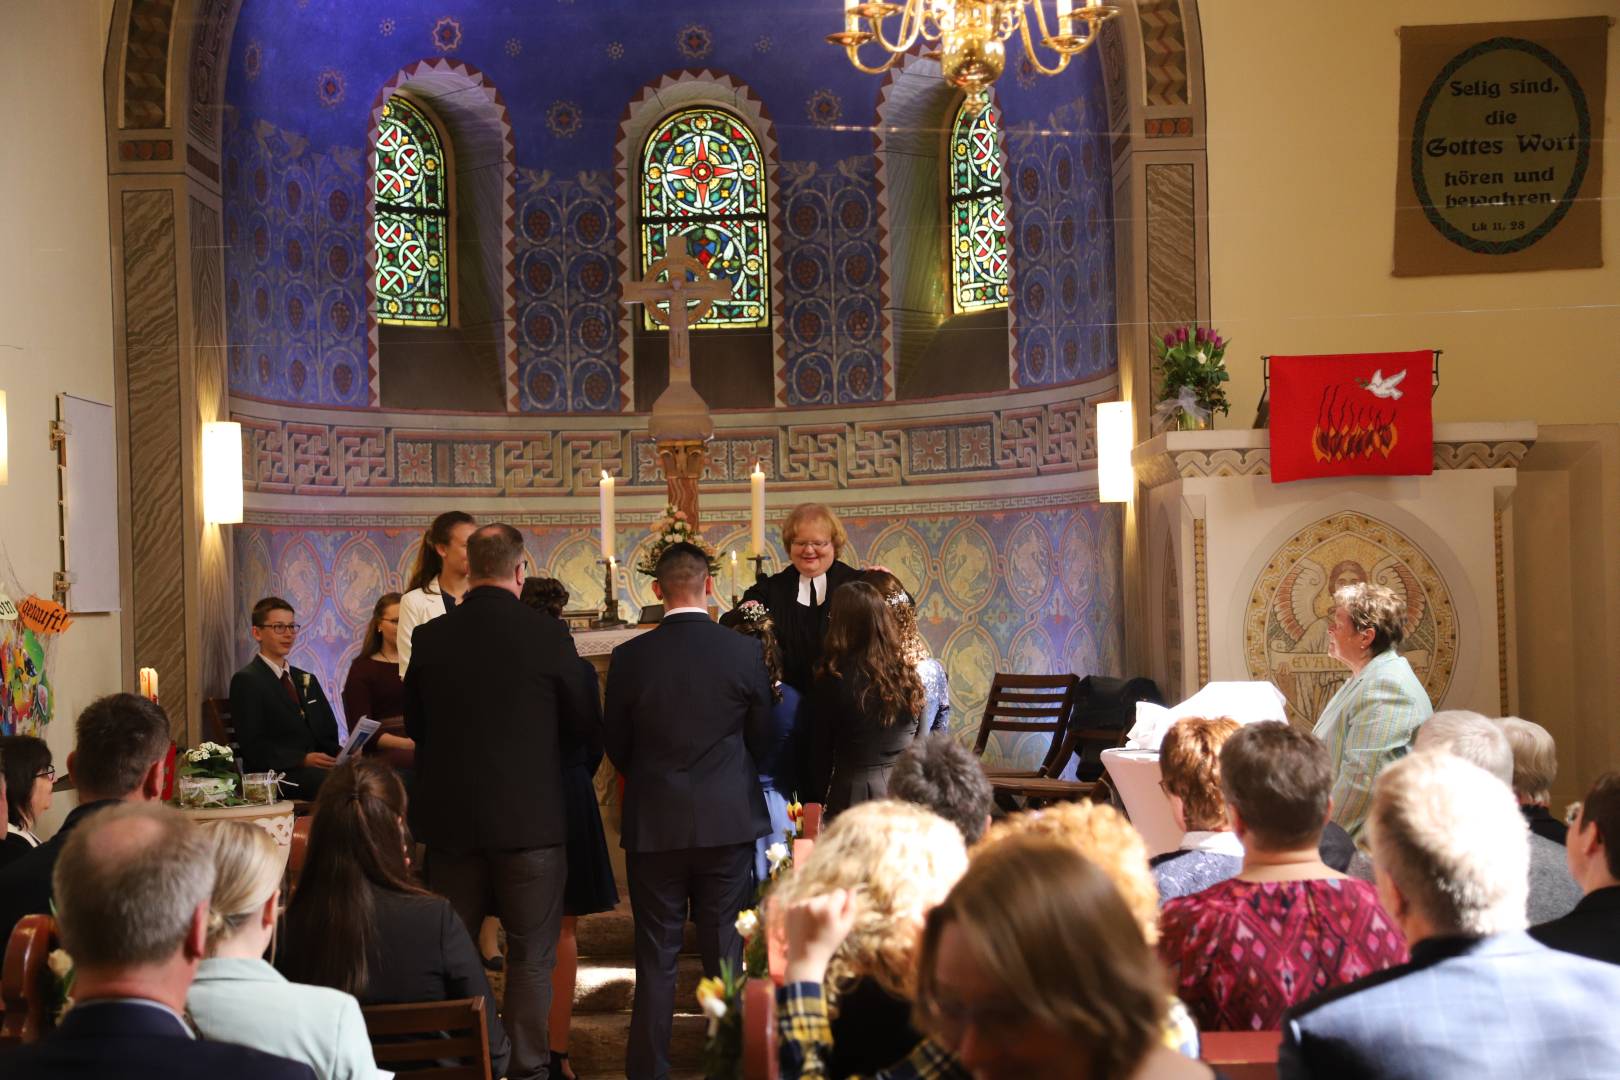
[756,509]
[606,490]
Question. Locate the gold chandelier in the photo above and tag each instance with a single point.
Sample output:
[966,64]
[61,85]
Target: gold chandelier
[971,35]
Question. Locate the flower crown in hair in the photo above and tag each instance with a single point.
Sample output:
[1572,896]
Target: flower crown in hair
[752,611]
[898,599]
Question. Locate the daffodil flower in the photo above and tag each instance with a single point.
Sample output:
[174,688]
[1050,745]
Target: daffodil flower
[747,923]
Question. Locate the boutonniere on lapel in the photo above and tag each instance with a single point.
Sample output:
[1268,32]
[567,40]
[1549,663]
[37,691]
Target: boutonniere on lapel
[303,686]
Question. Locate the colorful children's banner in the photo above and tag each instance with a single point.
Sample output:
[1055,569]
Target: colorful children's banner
[1355,414]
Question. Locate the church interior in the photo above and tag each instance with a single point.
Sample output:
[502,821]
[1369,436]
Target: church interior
[932,293]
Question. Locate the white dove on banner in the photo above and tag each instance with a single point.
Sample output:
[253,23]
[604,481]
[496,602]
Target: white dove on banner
[1382,387]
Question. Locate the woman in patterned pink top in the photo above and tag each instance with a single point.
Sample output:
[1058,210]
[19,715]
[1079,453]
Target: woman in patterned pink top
[1289,926]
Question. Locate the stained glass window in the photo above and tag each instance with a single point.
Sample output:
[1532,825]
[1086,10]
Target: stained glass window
[412,226]
[703,193]
[977,211]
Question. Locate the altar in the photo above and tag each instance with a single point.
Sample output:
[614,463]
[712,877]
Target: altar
[1237,572]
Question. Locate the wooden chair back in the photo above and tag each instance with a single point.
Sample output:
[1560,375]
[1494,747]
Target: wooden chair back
[216,721]
[1029,703]
[428,1033]
[297,851]
[759,1061]
[1241,1055]
[26,981]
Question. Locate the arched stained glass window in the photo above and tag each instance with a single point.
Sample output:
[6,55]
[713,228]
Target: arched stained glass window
[412,227]
[703,193]
[977,212]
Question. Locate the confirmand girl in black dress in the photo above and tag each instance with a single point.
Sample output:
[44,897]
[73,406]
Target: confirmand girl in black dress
[866,704]
[590,886]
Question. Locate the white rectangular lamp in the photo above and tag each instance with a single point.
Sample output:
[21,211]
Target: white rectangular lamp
[222,472]
[1116,481]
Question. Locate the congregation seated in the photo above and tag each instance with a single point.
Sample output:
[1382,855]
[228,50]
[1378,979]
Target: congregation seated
[1190,771]
[1480,998]
[1481,741]
[359,923]
[1593,928]
[1535,767]
[903,860]
[26,779]
[1102,835]
[940,774]
[132,891]
[238,997]
[120,743]
[1033,966]
[1287,925]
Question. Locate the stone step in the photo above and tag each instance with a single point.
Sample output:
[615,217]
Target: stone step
[612,935]
[597,1042]
[609,985]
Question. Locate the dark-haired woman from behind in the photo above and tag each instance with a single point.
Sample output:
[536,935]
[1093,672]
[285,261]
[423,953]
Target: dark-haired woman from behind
[866,704]
[359,923]
[778,777]
[29,776]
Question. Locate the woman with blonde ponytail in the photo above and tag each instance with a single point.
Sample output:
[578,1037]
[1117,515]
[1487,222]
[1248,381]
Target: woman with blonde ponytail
[238,997]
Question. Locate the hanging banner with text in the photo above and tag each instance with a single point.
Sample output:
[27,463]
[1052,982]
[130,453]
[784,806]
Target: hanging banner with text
[1355,414]
[1501,147]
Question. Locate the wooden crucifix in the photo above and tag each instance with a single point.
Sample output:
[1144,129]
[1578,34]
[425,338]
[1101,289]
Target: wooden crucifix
[680,422]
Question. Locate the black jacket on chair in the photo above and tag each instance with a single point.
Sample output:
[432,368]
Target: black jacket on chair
[273,732]
[688,712]
[491,685]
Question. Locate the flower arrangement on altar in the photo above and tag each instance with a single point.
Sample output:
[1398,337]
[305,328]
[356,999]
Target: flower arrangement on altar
[206,776]
[1194,366]
[674,528]
[721,998]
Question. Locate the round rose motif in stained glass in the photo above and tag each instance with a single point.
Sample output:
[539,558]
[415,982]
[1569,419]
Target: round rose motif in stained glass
[806,272]
[590,226]
[1034,239]
[593,332]
[542,386]
[261,243]
[1036,294]
[1029,182]
[541,329]
[593,275]
[597,388]
[537,275]
[261,303]
[295,254]
[343,379]
[537,223]
[857,269]
[295,313]
[341,316]
[295,196]
[852,213]
[805,219]
[264,370]
[296,375]
[858,323]
[337,205]
[809,383]
[261,184]
[1037,360]
[807,326]
[337,261]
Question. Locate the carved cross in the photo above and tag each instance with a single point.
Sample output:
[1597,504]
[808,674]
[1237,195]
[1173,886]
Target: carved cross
[677,292]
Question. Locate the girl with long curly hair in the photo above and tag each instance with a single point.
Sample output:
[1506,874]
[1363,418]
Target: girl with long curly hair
[866,703]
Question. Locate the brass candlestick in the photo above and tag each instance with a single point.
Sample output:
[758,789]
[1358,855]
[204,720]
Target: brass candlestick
[610,597]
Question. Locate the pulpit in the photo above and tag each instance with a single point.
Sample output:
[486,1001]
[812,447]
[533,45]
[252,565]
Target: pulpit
[1238,572]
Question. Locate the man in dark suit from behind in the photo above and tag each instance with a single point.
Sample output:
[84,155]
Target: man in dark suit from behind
[1480,999]
[688,711]
[1593,847]
[283,720]
[119,745]
[490,686]
[132,891]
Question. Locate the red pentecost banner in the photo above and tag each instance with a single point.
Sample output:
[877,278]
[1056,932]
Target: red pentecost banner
[1356,414]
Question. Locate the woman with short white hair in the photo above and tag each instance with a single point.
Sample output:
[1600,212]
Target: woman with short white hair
[1535,766]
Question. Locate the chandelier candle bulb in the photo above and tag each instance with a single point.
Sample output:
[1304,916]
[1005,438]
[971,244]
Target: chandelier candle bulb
[756,510]
[606,489]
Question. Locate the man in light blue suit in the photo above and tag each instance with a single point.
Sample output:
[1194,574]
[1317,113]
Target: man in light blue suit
[1479,1000]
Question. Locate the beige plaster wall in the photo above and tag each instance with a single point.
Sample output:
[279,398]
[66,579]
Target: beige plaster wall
[55,308]
[1302,157]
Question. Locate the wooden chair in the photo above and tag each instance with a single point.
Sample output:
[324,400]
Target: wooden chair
[26,981]
[416,1035]
[296,852]
[759,1061]
[1028,703]
[216,721]
[1242,1055]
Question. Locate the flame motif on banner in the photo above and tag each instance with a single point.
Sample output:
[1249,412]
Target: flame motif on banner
[1342,416]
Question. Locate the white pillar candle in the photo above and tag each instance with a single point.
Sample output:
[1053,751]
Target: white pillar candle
[756,509]
[734,572]
[148,683]
[607,515]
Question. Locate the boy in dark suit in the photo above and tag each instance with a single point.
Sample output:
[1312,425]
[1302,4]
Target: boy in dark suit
[132,890]
[688,713]
[283,720]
